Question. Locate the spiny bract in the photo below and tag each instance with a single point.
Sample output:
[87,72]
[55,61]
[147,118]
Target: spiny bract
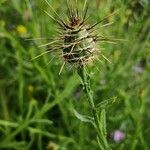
[79,44]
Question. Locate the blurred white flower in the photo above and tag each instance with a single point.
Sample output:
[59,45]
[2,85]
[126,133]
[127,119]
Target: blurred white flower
[138,69]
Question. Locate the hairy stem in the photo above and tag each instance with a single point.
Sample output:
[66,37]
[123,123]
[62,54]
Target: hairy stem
[87,89]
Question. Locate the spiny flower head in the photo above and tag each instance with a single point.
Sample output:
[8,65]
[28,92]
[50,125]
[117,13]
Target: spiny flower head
[76,42]
[79,44]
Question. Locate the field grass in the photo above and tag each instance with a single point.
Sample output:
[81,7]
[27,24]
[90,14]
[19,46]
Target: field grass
[36,103]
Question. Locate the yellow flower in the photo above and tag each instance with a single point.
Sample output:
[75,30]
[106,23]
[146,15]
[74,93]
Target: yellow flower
[21,29]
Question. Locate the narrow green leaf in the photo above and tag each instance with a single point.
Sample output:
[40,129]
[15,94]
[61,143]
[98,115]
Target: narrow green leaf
[106,103]
[83,118]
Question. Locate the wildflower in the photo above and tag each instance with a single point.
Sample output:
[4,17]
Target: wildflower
[77,44]
[77,41]
[138,69]
[52,146]
[118,136]
[21,29]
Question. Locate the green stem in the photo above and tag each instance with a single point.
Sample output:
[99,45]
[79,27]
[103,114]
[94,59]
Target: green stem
[87,89]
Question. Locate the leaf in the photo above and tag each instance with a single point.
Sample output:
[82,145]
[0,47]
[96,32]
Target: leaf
[41,132]
[13,145]
[83,118]
[7,124]
[144,3]
[106,103]
[44,121]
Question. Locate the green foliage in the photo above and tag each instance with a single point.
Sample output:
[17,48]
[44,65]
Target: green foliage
[36,103]
[83,117]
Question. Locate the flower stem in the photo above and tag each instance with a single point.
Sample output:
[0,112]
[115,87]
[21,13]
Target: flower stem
[101,137]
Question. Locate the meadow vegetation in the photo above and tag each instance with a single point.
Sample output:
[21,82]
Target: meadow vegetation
[37,104]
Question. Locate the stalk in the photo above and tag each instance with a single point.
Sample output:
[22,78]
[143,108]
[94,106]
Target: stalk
[77,43]
[101,137]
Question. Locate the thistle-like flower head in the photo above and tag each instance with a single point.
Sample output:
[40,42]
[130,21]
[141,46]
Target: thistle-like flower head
[76,40]
[79,44]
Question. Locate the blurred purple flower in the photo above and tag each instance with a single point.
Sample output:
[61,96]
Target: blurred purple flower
[118,136]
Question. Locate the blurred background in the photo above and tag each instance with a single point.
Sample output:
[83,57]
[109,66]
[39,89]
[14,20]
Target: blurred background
[36,103]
